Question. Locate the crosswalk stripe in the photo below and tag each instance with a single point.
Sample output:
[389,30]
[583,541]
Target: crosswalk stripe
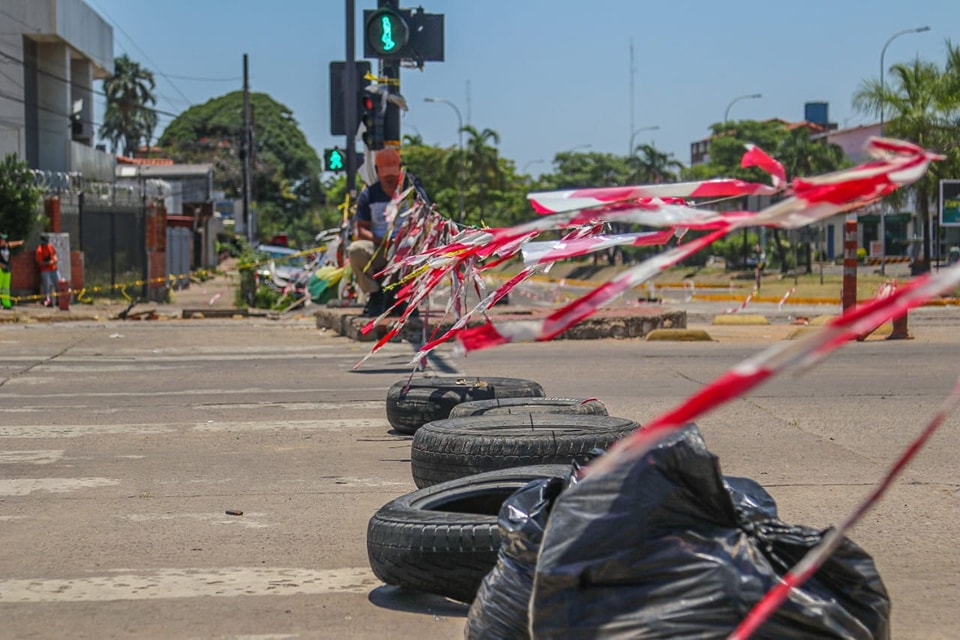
[81,430]
[189,583]
[39,456]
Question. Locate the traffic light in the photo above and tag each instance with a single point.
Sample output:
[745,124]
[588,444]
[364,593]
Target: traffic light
[334,160]
[369,107]
[385,33]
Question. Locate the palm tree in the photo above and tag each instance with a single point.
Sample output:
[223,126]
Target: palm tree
[922,102]
[128,118]
[652,165]
[483,167]
[803,156]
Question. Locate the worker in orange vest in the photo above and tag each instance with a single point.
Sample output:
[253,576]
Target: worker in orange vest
[46,257]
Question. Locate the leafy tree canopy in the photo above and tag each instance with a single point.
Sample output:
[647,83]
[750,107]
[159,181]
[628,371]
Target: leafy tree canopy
[18,198]
[286,169]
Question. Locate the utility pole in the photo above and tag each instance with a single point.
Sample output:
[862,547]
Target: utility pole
[390,68]
[351,86]
[246,151]
[633,71]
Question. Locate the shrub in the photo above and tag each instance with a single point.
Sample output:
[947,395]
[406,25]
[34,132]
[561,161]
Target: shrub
[18,198]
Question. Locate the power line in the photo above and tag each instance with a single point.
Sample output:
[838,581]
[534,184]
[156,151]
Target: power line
[92,90]
[198,79]
[33,29]
[145,54]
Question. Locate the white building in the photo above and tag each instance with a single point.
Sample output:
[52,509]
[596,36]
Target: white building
[51,52]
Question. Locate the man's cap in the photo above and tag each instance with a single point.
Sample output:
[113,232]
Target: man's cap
[387,162]
[3,235]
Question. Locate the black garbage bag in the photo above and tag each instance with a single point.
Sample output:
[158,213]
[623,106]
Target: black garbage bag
[660,548]
[500,608]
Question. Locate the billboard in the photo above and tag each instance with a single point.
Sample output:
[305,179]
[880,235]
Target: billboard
[950,203]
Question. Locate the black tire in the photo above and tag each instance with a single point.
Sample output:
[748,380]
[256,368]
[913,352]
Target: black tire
[432,398]
[458,447]
[444,539]
[511,406]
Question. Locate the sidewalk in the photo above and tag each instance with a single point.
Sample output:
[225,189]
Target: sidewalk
[215,295]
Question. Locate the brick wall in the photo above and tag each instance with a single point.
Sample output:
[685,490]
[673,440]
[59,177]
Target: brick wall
[156,241]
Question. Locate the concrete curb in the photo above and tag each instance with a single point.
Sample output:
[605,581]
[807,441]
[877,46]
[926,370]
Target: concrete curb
[740,319]
[678,335]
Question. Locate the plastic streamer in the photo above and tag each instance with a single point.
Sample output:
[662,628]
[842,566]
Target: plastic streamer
[815,558]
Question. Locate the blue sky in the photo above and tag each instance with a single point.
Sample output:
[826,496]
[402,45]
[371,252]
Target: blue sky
[547,76]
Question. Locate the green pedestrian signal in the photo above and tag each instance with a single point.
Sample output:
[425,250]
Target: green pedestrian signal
[386,32]
[333,160]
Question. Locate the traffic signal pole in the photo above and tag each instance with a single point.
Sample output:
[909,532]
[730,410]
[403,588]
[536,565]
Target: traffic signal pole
[351,85]
[391,118]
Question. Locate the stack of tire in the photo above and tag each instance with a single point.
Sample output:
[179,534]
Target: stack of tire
[476,441]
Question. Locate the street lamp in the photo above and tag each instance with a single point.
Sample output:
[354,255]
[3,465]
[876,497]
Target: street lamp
[726,118]
[655,127]
[459,148]
[883,222]
[752,96]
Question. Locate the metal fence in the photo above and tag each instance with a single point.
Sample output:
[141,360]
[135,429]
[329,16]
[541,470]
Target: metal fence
[113,240]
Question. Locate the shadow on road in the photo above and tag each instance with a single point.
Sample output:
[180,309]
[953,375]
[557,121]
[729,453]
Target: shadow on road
[399,599]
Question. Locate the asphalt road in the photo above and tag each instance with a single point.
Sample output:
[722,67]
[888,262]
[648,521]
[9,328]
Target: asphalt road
[123,446]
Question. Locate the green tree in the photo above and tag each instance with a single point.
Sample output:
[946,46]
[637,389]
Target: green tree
[920,104]
[581,170]
[128,118]
[483,169]
[650,165]
[286,169]
[803,156]
[727,148]
[18,198]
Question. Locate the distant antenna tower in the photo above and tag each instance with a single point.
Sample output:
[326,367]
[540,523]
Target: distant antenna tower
[633,71]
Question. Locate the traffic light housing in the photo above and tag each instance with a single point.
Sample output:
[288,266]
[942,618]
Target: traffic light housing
[413,34]
[386,33]
[334,160]
[371,119]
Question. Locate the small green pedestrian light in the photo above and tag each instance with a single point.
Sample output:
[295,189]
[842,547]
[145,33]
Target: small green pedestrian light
[386,33]
[333,159]
[387,36]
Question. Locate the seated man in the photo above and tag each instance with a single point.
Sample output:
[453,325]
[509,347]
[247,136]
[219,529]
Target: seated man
[368,253]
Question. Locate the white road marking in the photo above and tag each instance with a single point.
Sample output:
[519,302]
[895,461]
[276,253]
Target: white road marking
[26,486]
[226,582]
[80,430]
[40,456]
[258,391]
[219,406]
[351,481]
[296,406]
[248,520]
[291,425]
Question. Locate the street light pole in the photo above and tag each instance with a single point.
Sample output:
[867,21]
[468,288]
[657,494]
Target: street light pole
[752,96]
[459,149]
[655,127]
[726,118]
[883,221]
